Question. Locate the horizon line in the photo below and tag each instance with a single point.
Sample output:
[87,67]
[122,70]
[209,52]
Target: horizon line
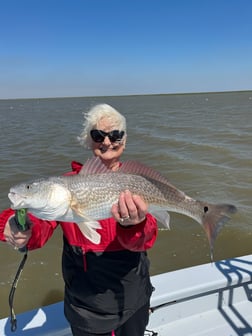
[130,95]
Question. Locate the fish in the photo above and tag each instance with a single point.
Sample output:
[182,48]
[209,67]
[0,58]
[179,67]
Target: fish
[87,197]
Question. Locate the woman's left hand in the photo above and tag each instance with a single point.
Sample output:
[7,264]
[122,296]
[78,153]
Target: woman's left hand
[130,209]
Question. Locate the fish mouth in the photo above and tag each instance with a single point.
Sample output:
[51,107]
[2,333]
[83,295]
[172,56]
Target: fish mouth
[16,201]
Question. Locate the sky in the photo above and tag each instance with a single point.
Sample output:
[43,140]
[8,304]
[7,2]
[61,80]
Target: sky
[77,48]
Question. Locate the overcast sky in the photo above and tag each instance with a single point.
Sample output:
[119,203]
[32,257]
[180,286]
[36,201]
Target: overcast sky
[67,48]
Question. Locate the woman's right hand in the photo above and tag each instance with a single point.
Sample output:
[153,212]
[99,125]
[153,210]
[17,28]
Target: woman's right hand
[15,237]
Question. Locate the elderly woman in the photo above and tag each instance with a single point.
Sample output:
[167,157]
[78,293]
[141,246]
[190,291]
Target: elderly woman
[107,286]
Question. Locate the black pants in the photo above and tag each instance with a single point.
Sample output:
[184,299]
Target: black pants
[134,326]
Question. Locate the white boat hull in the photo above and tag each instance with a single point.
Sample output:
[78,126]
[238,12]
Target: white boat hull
[206,300]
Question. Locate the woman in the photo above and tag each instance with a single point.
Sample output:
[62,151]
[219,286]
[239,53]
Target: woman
[107,286]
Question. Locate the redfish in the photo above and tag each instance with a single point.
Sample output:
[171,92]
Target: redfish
[87,197]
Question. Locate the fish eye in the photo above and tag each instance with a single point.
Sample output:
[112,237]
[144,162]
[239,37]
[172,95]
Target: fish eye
[28,186]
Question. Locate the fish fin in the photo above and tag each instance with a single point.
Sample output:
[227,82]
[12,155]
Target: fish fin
[88,229]
[213,219]
[163,219]
[94,166]
[150,174]
[86,224]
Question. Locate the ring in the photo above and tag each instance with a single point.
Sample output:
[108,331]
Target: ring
[123,219]
[15,248]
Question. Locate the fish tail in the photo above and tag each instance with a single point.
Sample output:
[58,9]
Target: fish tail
[213,219]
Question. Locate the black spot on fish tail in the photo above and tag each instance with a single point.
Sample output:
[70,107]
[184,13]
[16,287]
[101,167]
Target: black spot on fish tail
[205,209]
[213,219]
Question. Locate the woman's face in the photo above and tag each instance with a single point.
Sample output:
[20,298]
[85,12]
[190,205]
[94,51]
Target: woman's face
[109,152]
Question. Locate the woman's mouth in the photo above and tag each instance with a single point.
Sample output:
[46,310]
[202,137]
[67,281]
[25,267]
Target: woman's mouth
[104,149]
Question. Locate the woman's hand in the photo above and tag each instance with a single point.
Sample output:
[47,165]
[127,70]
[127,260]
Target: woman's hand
[15,237]
[130,209]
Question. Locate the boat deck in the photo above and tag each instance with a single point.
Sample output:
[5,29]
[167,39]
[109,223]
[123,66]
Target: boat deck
[207,300]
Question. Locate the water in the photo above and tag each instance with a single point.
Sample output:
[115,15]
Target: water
[201,142]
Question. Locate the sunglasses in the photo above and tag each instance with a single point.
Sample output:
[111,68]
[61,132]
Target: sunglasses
[99,136]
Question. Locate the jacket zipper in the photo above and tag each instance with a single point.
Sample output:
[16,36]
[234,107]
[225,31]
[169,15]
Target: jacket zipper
[84,256]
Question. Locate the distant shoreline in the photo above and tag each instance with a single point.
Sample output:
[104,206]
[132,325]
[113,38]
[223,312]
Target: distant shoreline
[134,95]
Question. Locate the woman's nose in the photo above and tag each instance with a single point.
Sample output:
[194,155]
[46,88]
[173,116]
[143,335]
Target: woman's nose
[106,140]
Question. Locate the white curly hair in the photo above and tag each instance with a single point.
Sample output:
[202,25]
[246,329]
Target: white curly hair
[92,118]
